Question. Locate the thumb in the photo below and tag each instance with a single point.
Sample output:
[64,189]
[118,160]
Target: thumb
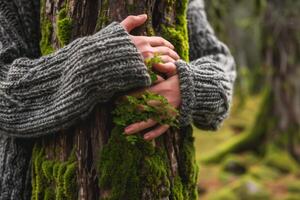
[132,21]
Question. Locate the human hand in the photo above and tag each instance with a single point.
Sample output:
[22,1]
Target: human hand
[150,46]
[170,89]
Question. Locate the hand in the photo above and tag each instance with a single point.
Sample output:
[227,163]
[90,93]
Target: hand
[170,89]
[149,46]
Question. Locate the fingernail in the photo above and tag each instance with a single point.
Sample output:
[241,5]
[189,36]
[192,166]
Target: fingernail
[146,137]
[128,129]
[142,16]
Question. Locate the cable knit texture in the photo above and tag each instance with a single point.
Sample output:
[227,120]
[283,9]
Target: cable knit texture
[40,95]
[43,95]
[207,82]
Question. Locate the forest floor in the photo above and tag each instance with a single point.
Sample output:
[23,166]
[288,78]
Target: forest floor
[245,176]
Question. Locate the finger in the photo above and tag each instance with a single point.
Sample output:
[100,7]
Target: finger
[159,41]
[147,54]
[156,132]
[163,50]
[139,126]
[167,68]
[159,79]
[132,21]
[166,59]
[154,103]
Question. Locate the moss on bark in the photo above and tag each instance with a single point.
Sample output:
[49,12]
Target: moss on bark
[53,179]
[64,27]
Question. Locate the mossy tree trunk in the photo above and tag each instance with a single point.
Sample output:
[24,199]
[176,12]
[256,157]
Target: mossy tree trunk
[68,165]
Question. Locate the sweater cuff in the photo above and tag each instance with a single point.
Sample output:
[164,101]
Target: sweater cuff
[187,87]
[116,50]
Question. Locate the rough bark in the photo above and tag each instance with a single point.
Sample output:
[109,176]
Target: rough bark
[66,165]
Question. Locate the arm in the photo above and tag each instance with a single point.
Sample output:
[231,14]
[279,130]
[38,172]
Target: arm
[206,83]
[41,96]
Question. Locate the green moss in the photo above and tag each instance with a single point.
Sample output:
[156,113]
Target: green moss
[69,181]
[46,32]
[127,169]
[249,189]
[262,172]
[224,194]
[188,166]
[294,187]
[53,179]
[178,34]
[64,27]
[280,160]
[177,189]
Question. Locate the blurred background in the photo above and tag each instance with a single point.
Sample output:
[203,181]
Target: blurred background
[256,153]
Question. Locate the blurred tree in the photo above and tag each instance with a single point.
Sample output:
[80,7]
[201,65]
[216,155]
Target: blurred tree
[68,165]
[278,122]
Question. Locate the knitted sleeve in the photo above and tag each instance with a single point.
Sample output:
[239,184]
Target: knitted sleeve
[207,81]
[41,96]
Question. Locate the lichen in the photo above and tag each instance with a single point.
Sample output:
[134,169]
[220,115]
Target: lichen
[64,27]
[53,179]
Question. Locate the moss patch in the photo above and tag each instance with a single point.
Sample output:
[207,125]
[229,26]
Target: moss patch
[188,167]
[126,169]
[53,179]
[178,34]
[280,160]
[64,27]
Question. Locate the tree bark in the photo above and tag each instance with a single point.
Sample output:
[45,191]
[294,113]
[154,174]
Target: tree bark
[66,165]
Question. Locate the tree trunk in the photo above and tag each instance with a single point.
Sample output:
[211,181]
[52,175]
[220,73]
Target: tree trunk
[90,160]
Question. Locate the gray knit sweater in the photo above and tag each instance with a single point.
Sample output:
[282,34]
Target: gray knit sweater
[40,95]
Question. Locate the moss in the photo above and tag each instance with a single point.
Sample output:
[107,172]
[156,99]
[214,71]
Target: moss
[46,32]
[177,189]
[127,169]
[280,160]
[245,189]
[188,167]
[178,34]
[64,27]
[49,194]
[294,187]
[69,181]
[249,189]
[262,172]
[224,194]
[53,179]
